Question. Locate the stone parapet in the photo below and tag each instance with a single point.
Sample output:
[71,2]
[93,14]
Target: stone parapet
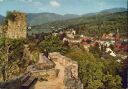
[65,61]
[43,74]
[71,80]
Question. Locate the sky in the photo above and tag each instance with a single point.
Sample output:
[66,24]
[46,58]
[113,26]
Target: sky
[60,6]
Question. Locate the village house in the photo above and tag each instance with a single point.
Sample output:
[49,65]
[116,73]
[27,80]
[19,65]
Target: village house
[110,51]
[87,42]
[121,46]
[71,33]
[109,36]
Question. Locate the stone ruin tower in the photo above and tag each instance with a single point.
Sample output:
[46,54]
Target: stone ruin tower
[16,25]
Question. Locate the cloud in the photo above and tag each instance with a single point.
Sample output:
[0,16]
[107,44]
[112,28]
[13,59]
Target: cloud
[32,2]
[1,0]
[27,0]
[102,4]
[37,3]
[54,3]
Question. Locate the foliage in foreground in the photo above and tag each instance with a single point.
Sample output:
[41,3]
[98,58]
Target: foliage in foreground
[52,44]
[96,73]
[12,58]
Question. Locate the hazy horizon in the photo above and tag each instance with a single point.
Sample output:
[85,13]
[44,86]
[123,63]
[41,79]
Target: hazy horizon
[62,7]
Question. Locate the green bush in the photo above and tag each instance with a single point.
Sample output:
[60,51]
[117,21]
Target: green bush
[52,44]
[96,73]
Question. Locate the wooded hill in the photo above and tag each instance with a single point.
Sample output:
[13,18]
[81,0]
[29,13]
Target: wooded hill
[95,24]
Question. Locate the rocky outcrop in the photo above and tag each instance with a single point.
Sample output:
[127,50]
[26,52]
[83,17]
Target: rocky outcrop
[44,63]
[44,69]
[70,81]
[70,78]
[43,74]
[64,75]
[64,61]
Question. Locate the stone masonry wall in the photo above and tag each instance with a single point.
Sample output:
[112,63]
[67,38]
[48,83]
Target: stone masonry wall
[64,61]
[70,71]
[17,28]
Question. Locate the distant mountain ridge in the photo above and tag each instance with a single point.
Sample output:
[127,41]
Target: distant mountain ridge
[70,16]
[89,14]
[89,24]
[107,11]
[43,18]
[113,10]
